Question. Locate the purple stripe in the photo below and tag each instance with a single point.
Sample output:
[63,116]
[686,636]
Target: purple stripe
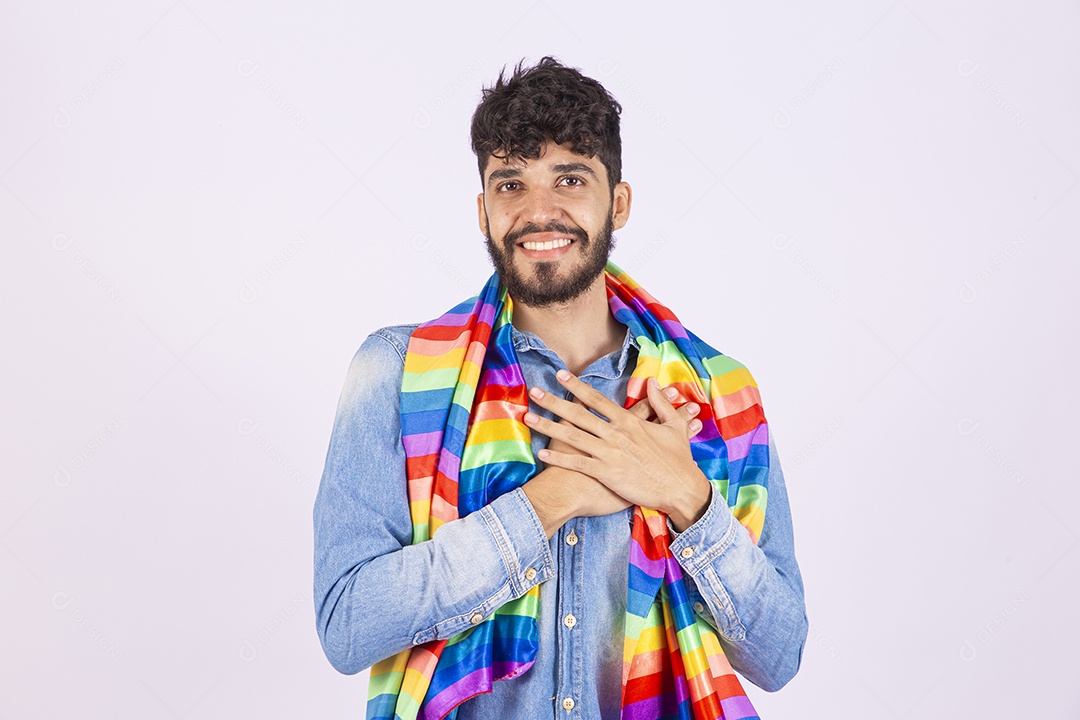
[638,558]
[508,376]
[674,329]
[450,320]
[487,315]
[682,691]
[449,464]
[738,707]
[507,670]
[739,447]
[616,303]
[674,570]
[647,709]
[639,308]
[708,431]
[476,682]
[422,443]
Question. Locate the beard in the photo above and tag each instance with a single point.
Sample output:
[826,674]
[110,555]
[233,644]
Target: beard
[544,288]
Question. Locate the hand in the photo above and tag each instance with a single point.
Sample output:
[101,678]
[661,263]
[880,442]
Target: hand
[645,463]
[558,494]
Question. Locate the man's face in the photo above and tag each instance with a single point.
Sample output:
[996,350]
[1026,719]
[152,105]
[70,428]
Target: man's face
[549,223]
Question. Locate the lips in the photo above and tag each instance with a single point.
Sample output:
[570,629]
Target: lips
[545,246]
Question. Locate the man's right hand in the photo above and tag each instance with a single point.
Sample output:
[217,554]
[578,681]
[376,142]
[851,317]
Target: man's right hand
[558,494]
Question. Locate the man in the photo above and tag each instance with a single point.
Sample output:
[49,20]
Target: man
[491,581]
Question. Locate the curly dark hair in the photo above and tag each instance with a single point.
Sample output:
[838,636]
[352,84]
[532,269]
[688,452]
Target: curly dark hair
[547,101]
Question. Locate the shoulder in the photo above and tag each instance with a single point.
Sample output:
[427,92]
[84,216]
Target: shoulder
[390,337]
[378,364]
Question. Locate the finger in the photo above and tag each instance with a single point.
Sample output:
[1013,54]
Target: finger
[574,412]
[642,409]
[591,397]
[557,444]
[660,403]
[568,433]
[581,463]
[688,411]
[693,427]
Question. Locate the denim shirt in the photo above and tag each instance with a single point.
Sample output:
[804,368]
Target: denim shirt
[376,594]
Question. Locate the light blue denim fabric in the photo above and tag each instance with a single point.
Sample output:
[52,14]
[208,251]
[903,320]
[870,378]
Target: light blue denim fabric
[375,594]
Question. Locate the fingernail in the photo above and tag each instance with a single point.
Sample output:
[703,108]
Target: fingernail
[671,393]
[530,417]
[537,393]
[692,408]
[563,375]
[695,426]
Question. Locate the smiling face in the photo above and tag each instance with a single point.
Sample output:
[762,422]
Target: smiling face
[549,222]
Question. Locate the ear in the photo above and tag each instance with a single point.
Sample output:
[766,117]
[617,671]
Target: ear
[481,214]
[620,205]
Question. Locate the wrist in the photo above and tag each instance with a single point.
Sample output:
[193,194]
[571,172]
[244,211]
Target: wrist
[691,504]
[547,500]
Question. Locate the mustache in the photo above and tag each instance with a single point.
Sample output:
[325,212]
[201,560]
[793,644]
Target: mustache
[512,238]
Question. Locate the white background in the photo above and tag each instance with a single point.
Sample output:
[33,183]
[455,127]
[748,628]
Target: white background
[206,208]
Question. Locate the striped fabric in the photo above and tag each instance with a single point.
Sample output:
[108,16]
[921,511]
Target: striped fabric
[463,398]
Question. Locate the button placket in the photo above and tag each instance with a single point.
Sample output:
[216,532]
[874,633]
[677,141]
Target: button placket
[570,641]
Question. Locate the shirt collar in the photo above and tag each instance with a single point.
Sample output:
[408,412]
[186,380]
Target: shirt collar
[524,340]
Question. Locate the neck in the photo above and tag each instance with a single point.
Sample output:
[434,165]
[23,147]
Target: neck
[579,331]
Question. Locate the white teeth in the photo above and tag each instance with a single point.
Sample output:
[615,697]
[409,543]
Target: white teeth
[549,245]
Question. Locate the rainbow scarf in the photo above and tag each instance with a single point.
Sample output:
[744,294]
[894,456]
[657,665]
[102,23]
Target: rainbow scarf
[463,398]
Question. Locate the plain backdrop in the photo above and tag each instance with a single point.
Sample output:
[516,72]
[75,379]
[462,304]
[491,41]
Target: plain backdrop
[207,207]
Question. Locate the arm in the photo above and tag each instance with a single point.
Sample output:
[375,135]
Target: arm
[753,594]
[375,593]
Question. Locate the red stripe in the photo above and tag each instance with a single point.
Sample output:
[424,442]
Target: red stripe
[420,466]
[441,332]
[647,687]
[740,423]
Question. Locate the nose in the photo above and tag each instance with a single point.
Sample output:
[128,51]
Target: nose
[541,206]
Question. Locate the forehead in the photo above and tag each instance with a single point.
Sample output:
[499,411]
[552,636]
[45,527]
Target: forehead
[553,159]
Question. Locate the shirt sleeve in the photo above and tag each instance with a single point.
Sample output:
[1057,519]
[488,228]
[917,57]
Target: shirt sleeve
[375,592]
[752,594]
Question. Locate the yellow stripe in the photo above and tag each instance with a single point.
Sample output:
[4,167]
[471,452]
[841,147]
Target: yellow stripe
[415,363]
[752,517]
[496,430]
[732,382]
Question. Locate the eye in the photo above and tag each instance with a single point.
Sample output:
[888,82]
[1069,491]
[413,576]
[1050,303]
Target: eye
[507,185]
[572,181]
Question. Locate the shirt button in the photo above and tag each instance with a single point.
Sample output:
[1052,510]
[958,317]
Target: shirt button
[699,608]
[571,540]
[477,618]
[568,704]
[530,574]
[686,552]
[570,621]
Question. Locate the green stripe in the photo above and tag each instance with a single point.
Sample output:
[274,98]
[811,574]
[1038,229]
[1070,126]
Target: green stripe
[495,451]
[385,684]
[720,364]
[752,495]
[721,486]
[440,379]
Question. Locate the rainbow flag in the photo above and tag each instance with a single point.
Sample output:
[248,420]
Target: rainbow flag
[463,398]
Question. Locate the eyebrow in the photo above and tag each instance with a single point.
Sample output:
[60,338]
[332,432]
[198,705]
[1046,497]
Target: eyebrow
[509,173]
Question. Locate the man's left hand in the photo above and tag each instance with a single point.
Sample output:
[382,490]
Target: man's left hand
[647,463]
